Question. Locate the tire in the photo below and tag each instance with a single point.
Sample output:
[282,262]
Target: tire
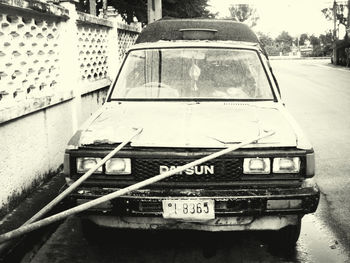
[289,235]
[286,238]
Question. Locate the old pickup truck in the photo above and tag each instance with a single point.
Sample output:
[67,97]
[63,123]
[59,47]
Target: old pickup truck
[195,87]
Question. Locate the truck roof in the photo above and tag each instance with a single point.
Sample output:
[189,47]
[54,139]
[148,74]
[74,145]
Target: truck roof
[196,29]
[195,44]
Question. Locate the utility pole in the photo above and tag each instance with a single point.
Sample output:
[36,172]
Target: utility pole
[104,8]
[154,10]
[92,6]
[335,20]
[348,21]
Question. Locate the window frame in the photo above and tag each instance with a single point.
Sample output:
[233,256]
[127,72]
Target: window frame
[113,85]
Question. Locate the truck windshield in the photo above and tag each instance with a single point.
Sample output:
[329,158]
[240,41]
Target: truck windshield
[193,73]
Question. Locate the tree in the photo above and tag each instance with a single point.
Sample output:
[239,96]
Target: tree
[284,38]
[268,44]
[315,41]
[186,9]
[265,39]
[322,44]
[340,13]
[285,41]
[302,39]
[244,13]
[327,39]
[131,9]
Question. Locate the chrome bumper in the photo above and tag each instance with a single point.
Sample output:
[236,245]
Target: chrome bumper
[237,202]
[215,225]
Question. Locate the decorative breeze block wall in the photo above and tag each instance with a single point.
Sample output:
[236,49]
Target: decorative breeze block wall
[93,47]
[126,38]
[29,59]
[34,69]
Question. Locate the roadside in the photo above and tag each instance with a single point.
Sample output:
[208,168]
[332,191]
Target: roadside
[323,61]
[338,67]
[317,95]
[24,211]
[296,58]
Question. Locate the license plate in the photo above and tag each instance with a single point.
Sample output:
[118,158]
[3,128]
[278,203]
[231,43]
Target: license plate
[189,210]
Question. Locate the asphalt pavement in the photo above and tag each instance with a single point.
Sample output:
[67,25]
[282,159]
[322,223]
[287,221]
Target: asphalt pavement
[318,95]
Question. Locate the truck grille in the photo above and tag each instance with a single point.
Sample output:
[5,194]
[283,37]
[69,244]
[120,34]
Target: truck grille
[218,170]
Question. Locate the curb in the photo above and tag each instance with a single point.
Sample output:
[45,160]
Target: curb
[29,207]
[297,58]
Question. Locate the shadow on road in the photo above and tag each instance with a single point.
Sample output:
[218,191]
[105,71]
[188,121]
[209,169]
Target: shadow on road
[71,244]
[185,246]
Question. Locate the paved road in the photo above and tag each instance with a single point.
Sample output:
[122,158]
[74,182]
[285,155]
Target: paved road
[318,96]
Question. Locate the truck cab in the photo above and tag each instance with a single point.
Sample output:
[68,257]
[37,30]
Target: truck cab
[195,87]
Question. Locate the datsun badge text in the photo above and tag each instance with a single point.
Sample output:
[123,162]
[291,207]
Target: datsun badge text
[200,169]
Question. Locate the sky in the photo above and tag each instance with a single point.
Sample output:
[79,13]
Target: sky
[294,16]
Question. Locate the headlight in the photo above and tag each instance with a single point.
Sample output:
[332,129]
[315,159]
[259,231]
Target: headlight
[118,166]
[286,165]
[256,166]
[84,164]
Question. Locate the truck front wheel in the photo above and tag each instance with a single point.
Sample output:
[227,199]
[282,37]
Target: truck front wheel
[287,237]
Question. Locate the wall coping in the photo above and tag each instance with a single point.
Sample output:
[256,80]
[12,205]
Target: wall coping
[95,85]
[128,27]
[37,104]
[31,106]
[91,19]
[36,6]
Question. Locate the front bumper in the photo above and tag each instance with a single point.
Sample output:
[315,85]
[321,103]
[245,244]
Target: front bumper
[240,223]
[251,205]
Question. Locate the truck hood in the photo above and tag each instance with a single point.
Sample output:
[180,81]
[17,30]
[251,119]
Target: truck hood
[187,124]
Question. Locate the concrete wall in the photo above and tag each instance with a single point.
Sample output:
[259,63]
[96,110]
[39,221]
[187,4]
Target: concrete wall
[31,147]
[56,65]
[91,102]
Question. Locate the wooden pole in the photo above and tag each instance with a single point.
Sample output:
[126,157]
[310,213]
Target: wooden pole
[30,227]
[72,187]
[78,182]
